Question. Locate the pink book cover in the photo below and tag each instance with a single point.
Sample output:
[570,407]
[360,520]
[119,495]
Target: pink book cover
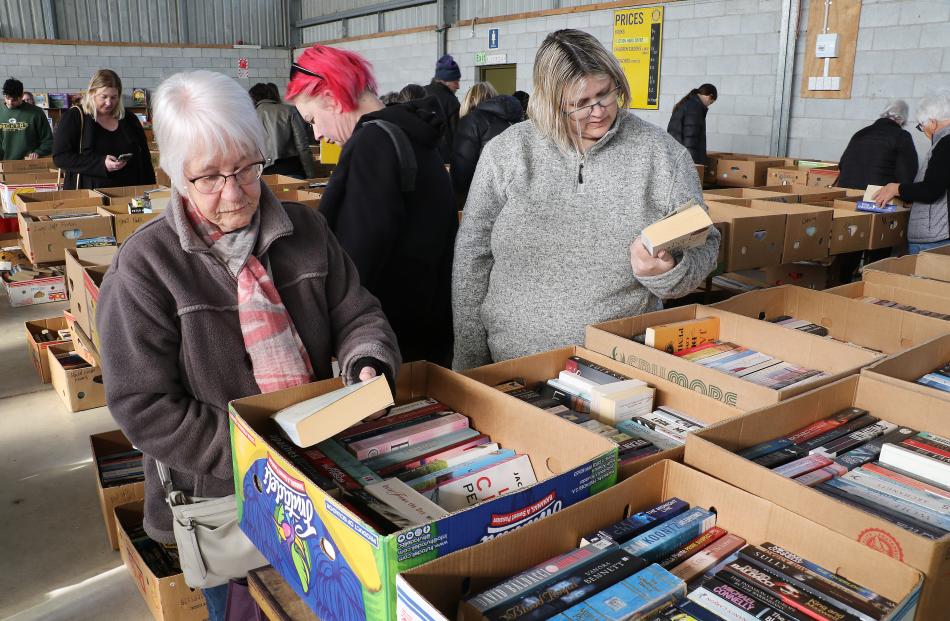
[407,436]
[491,482]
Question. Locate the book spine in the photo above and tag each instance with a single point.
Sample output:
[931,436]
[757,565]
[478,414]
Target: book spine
[692,548]
[748,606]
[429,482]
[870,451]
[903,521]
[780,457]
[635,598]
[764,448]
[892,503]
[929,510]
[412,454]
[408,407]
[395,423]
[661,541]
[802,466]
[819,427]
[699,564]
[635,430]
[395,440]
[855,439]
[452,449]
[928,450]
[594,372]
[352,466]
[438,465]
[893,475]
[637,523]
[849,427]
[917,463]
[934,439]
[688,610]
[406,501]
[757,592]
[813,478]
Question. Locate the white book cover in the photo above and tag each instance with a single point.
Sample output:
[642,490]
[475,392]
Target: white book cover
[492,482]
[290,418]
[916,464]
[406,501]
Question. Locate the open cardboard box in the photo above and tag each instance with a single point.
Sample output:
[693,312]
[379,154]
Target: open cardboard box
[169,598]
[15,166]
[120,196]
[806,193]
[807,229]
[544,366]
[786,175]
[712,450]
[435,591]
[943,251]
[815,275]
[45,241]
[571,464]
[823,177]
[913,292]
[743,171]
[104,445]
[310,198]
[40,201]
[744,196]
[80,389]
[874,327]
[77,261]
[933,267]
[22,183]
[282,183]
[125,223]
[836,360]
[38,349]
[36,291]
[905,368]
[887,229]
[850,231]
[754,238]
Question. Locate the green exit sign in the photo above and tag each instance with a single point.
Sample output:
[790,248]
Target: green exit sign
[481,58]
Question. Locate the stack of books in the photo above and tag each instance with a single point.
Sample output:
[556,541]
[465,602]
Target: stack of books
[121,468]
[939,379]
[161,559]
[418,463]
[672,562]
[893,472]
[903,307]
[610,404]
[71,360]
[800,325]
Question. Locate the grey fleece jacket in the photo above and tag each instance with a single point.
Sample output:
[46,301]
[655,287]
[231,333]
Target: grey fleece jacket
[543,247]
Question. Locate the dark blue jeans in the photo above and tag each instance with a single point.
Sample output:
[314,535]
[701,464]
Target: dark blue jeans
[217,599]
[913,248]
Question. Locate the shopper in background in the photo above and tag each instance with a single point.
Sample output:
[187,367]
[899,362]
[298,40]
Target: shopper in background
[523,98]
[390,199]
[410,92]
[688,122]
[481,121]
[881,152]
[929,225]
[443,87]
[550,239]
[232,293]
[98,145]
[288,143]
[28,98]
[25,133]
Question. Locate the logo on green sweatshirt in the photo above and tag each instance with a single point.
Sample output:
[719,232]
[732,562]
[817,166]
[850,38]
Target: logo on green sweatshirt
[14,125]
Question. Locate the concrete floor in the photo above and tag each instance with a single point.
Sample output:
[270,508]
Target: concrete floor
[56,562]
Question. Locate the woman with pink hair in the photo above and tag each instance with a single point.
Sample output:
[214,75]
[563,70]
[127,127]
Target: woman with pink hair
[390,200]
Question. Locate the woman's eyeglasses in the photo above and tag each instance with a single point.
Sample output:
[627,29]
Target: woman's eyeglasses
[295,68]
[583,113]
[212,184]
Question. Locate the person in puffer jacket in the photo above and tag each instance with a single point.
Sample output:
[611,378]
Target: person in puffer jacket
[688,121]
[487,120]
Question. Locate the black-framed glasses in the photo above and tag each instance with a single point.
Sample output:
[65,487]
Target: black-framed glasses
[583,113]
[295,68]
[920,127]
[212,184]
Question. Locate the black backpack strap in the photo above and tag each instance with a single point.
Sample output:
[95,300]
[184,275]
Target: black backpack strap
[407,157]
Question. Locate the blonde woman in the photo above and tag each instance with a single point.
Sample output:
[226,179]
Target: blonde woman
[97,144]
[550,238]
[480,91]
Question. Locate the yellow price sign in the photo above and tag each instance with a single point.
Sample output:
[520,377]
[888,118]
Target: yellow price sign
[638,45]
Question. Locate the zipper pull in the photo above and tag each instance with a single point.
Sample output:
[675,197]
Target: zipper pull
[580,173]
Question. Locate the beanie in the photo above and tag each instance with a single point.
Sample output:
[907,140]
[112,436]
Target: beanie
[446,69]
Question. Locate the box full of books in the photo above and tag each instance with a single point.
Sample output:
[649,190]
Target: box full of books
[888,229]
[743,362]
[78,383]
[120,478]
[668,543]
[925,367]
[40,334]
[754,238]
[874,327]
[339,505]
[155,570]
[27,286]
[934,268]
[58,200]
[911,295]
[647,416]
[46,234]
[85,269]
[864,457]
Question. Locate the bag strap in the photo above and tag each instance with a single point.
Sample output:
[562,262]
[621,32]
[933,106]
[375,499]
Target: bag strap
[82,127]
[407,157]
[172,496]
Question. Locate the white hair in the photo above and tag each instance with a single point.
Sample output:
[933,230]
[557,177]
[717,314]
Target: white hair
[896,111]
[934,106]
[202,116]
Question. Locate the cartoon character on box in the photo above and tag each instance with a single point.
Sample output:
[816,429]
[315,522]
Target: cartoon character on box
[295,536]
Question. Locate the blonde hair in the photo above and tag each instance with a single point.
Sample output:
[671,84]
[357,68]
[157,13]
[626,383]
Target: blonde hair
[480,91]
[566,60]
[104,78]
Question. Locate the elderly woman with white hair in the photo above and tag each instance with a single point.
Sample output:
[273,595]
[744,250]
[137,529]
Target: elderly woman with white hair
[550,238]
[231,293]
[881,152]
[929,224]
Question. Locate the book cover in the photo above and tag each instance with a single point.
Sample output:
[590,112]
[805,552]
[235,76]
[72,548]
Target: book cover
[764,448]
[437,465]
[426,484]
[390,441]
[891,503]
[139,97]
[780,457]
[937,507]
[674,337]
[637,597]
[854,439]
[895,475]
[826,424]
[700,563]
[919,464]
[813,478]
[637,523]
[851,426]
[898,519]
[802,466]
[693,547]
[409,407]
[406,501]
[870,451]
[594,372]
[429,407]
[731,604]
[494,481]
[352,466]
[421,454]
[687,227]
[661,541]
[759,594]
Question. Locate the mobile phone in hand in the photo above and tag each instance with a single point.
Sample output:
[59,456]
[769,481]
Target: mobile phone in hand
[125,157]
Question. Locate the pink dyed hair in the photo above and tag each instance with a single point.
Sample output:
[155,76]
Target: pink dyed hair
[346,75]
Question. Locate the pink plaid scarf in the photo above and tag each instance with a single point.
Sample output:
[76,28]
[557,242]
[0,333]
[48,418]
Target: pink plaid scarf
[277,354]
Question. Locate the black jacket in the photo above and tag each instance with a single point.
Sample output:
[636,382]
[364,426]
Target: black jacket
[879,154]
[475,129]
[76,154]
[401,242]
[688,127]
[448,106]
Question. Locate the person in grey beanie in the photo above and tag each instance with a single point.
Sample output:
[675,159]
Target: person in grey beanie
[443,87]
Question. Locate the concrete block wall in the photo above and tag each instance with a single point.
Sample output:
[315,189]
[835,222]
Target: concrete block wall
[47,68]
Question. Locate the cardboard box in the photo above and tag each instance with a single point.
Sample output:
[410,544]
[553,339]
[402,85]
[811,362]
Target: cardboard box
[23,183]
[122,195]
[701,173]
[169,599]
[433,592]
[912,292]
[80,389]
[82,302]
[687,228]
[40,201]
[45,241]
[850,231]
[874,327]
[570,463]
[92,280]
[544,366]
[814,275]
[905,368]
[887,229]
[823,177]
[807,229]
[934,267]
[940,250]
[83,344]
[613,339]
[36,291]
[16,166]
[103,445]
[744,196]
[787,175]
[309,198]
[162,178]
[38,349]
[744,172]
[713,451]
[808,194]
[754,238]
[125,223]
[282,183]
